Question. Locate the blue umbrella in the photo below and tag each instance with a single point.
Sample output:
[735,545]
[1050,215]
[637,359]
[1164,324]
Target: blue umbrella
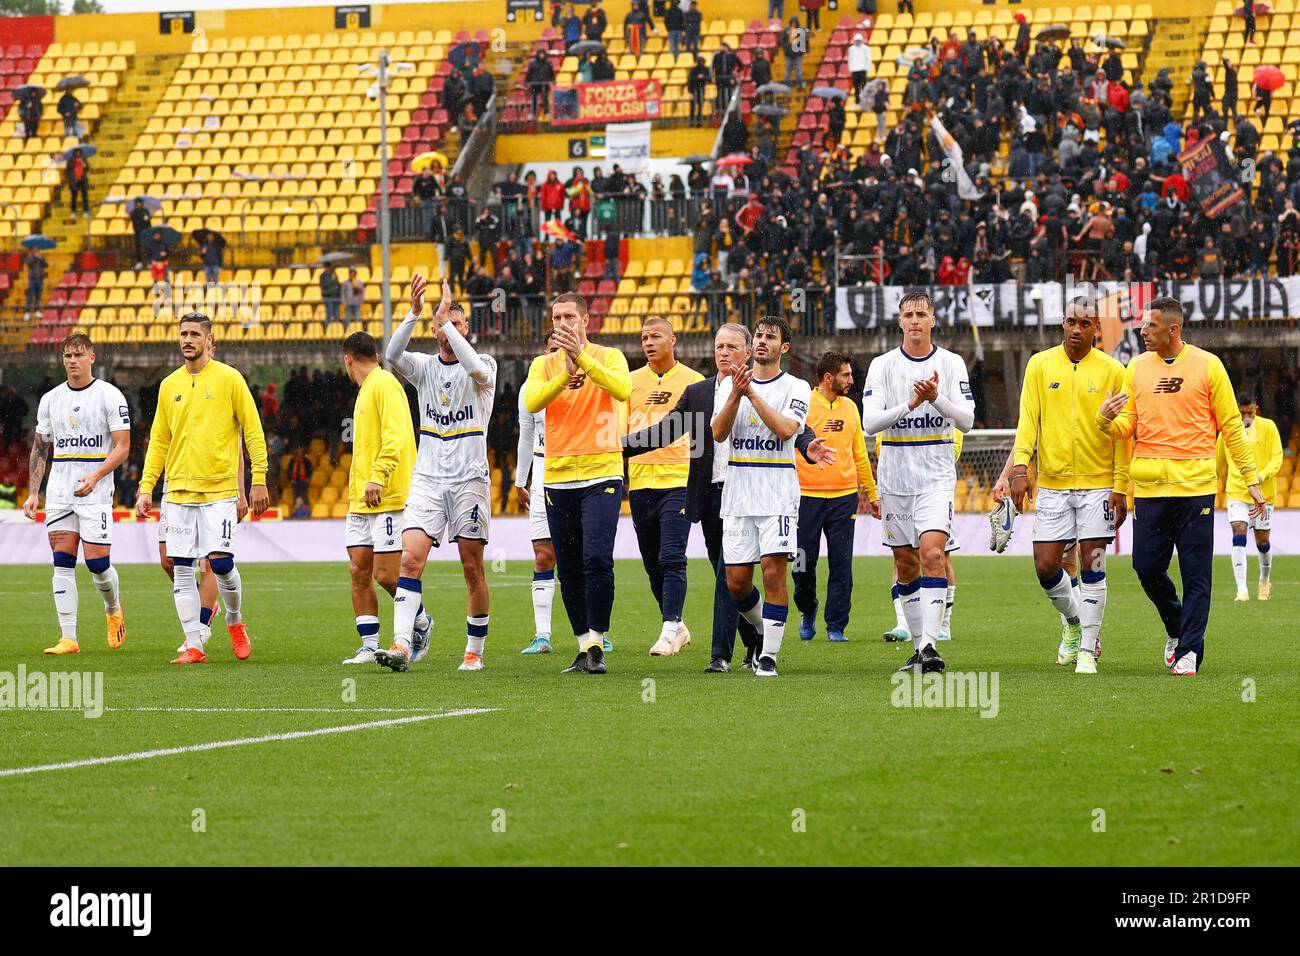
[87,151]
[829,93]
[39,242]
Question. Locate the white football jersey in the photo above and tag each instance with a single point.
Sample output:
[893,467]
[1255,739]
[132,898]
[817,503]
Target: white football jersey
[761,476]
[916,453]
[79,423]
[533,424]
[454,413]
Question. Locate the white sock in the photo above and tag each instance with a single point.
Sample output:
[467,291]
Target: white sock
[406,601]
[1265,564]
[543,598]
[185,590]
[108,589]
[230,590]
[1074,583]
[670,629]
[422,620]
[476,629]
[900,619]
[751,608]
[910,596]
[368,630]
[593,639]
[934,594]
[947,611]
[1061,594]
[773,628]
[65,601]
[1239,565]
[1092,608]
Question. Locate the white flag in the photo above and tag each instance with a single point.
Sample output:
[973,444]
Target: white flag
[965,188]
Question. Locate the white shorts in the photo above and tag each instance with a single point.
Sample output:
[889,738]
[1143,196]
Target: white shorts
[381,531]
[448,513]
[1065,516]
[162,520]
[1240,511]
[907,517]
[94,523]
[953,544]
[195,531]
[748,539]
[538,528]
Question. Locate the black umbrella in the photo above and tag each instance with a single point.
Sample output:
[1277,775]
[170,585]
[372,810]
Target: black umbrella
[587,46]
[1115,43]
[150,203]
[695,158]
[335,258]
[201,236]
[72,83]
[27,89]
[1054,31]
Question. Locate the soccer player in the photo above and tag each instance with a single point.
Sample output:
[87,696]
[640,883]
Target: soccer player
[202,406]
[450,498]
[917,396]
[86,423]
[530,471]
[657,482]
[1176,399]
[758,413]
[584,388]
[383,456]
[1082,476]
[1262,434]
[829,499]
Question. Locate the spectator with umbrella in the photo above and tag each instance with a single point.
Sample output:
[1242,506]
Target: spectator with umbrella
[37,268]
[1268,79]
[78,174]
[331,295]
[69,106]
[142,222]
[859,62]
[158,256]
[540,77]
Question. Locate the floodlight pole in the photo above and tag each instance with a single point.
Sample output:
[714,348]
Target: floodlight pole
[385,220]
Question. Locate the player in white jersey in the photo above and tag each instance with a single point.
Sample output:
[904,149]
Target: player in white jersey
[917,396]
[450,497]
[757,414]
[530,459]
[87,424]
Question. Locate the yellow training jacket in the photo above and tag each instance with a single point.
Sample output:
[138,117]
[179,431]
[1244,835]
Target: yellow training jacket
[1175,411]
[195,436]
[383,444]
[1058,406]
[840,424]
[1263,436]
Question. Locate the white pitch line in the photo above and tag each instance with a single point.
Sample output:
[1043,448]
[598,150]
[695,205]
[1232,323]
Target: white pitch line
[239,742]
[274,710]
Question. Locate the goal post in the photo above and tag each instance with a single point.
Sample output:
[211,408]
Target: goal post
[983,453]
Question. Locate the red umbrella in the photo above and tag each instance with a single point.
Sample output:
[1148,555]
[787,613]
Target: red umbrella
[736,160]
[1269,78]
[1261,10]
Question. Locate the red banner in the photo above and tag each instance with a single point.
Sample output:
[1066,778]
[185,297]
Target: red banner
[615,101]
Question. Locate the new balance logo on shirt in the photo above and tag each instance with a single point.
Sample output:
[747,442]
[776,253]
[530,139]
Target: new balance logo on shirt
[1167,386]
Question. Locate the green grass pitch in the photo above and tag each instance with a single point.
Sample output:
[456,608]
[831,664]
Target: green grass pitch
[816,767]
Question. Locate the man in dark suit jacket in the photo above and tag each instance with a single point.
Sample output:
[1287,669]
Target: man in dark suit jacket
[692,416]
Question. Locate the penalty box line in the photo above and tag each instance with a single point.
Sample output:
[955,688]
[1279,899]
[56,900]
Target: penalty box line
[239,742]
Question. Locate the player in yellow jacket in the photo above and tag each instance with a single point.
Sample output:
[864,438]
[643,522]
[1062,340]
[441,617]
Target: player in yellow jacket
[202,406]
[383,457]
[1261,433]
[829,497]
[1176,400]
[1082,476]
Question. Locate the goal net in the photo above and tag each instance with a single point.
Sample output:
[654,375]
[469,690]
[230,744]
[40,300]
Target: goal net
[983,453]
